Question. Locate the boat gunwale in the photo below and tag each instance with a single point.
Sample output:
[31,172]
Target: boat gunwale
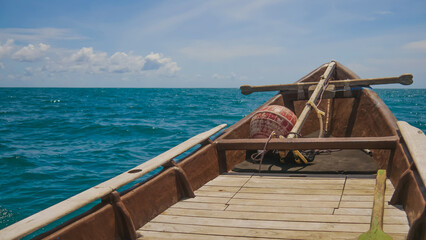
[40,219]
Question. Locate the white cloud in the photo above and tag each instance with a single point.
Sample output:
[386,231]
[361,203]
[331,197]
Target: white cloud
[31,53]
[6,48]
[418,45]
[155,61]
[84,55]
[87,60]
[214,52]
[42,60]
[38,34]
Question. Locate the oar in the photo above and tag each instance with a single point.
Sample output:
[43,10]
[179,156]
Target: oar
[376,224]
[404,79]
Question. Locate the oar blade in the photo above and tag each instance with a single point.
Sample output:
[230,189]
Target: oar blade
[375,234]
[406,79]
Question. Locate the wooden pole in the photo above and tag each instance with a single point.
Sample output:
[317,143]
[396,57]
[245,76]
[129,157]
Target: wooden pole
[314,97]
[404,79]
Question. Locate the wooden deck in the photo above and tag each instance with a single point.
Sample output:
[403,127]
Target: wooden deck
[277,207]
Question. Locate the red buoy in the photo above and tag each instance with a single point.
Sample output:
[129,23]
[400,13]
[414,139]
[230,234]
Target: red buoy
[272,118]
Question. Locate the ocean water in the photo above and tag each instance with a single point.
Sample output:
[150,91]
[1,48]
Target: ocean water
[57,142]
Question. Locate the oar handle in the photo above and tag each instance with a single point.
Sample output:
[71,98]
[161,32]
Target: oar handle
[379,201]
[404,79]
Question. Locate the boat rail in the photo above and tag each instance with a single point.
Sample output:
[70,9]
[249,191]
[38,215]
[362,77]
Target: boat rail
[61,209]
[415,139]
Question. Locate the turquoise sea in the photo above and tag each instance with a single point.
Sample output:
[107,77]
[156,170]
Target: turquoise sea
[57,142]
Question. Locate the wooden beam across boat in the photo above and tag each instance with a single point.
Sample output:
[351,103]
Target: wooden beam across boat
[404,79]
[309,143]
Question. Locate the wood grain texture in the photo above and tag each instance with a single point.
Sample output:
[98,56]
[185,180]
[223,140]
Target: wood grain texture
[415,140]
[277,207]
[404,79]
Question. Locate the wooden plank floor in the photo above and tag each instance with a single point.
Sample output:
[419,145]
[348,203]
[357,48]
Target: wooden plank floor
[277,207]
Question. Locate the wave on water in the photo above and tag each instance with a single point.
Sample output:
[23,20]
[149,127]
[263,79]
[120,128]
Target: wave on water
[17,161]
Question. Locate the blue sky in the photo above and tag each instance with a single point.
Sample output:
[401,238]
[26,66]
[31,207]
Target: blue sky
[205,43]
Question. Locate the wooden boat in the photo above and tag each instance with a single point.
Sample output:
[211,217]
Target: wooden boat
[216,192]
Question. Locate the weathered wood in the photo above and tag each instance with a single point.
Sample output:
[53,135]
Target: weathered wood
[40,219]
[203,199]
[213,206]
[313,99]
[284,225]
[404,79]
[267,190]
[281,209]
[329,91]
[299,217]
[219,188]
[415,140]
[305,181]
[230,182]
[214,194]
[292,197]
[182,231]
[309,143]
[295,186]
[148,234]
[376,225]
[363,198]
[367,211]
[310,204]
[361,192]
[360,204]
[261,204]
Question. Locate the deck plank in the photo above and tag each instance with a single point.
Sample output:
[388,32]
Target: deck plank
[299,217]
[283,225]
[267,190]
[194,205]
[277,207]
[278,203]
[293,197]
[214,194]
[219,232]
[219,188]
[281,209]
[159,234]
[294,185]
[367,211]
[201,199]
